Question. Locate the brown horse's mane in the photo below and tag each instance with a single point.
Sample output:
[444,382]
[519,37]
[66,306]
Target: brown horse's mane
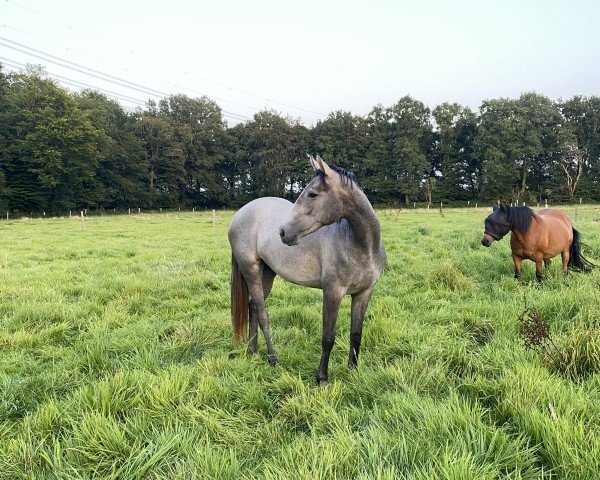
[519,218]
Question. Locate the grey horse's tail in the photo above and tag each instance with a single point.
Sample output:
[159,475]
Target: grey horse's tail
[239,301]
[577,261]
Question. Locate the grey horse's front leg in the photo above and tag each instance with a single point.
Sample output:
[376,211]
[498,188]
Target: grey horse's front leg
[332,297]
[360,302]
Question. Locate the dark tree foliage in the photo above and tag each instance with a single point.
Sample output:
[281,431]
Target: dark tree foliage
[50,155]
[121,173]
[61,151]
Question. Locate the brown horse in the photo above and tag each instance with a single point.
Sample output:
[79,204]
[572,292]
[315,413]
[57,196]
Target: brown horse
[536,236]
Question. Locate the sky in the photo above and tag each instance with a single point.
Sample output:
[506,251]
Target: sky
[306,59]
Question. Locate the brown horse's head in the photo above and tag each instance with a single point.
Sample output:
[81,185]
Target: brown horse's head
[496,225]
[322,202]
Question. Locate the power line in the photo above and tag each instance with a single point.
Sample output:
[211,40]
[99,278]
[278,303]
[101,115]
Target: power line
[114,95]
[77,84]
[19,47]
[132,71]
[41,55]
[164,63]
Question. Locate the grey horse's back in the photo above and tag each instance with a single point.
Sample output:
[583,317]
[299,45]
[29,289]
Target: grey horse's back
[262,214]
[254,235]
[259,213]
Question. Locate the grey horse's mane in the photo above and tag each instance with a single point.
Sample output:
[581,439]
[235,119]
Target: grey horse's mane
[346,176]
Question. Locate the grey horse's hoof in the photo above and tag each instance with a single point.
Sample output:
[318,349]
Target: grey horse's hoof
[322,381]
[272,360]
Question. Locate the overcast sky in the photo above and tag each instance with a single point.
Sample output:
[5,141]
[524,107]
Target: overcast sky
[308,58]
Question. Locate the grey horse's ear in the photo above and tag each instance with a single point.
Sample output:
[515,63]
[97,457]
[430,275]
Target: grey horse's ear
[313,163]
[323,166]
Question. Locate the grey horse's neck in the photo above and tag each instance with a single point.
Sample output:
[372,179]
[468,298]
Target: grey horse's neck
[363,222]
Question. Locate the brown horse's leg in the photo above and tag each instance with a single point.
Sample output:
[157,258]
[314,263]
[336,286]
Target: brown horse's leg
[539,263]
[332,297]
[517,261]
[547,262]
[360,301]
[566,256]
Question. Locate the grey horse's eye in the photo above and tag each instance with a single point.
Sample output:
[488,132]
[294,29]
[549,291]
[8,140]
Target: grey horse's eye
[312,195]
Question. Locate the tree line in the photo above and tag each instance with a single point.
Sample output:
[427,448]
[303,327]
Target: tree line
[61,150]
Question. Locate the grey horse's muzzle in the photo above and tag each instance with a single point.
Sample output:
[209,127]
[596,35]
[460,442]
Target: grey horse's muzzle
[287,239]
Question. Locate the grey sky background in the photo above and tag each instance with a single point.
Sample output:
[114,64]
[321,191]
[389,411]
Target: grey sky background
[305,59]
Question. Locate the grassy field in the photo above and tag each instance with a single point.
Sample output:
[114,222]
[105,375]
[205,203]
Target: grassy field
[117,359]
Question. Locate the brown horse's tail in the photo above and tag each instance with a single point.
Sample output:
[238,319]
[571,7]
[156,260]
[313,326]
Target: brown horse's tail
[239,301]
[577,261]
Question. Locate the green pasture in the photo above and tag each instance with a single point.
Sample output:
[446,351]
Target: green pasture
[117,359]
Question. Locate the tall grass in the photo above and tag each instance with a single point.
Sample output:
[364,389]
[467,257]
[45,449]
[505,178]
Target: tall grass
[117,359]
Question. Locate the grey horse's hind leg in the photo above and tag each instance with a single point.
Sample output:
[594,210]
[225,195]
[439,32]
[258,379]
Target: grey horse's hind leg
[253,273]
[268,276]
[253,330]
[360,302]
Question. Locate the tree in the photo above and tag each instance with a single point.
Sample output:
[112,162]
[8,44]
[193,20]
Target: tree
[202,133]
[51,153]
[453,161]
[121,172]
[582,118]
[164,157]
[571,160]
[410,143]
[4,194]
[341,139]
[273,153]
[379,180]
[516,141]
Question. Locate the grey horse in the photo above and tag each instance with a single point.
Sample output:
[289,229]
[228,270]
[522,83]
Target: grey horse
[329,239]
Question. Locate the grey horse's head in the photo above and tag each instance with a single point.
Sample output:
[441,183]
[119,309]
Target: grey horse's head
[322,202]
[496,225]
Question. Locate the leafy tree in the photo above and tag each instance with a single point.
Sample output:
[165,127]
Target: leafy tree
[377,178]
[341,139]
[410,144]
[582,119]
[571,160]
[59,151]
[273,153]
[4,194]
[517,140]
[540,135]
[453,159]
[121,172]
[51,156]
[164,155]
[202,132]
